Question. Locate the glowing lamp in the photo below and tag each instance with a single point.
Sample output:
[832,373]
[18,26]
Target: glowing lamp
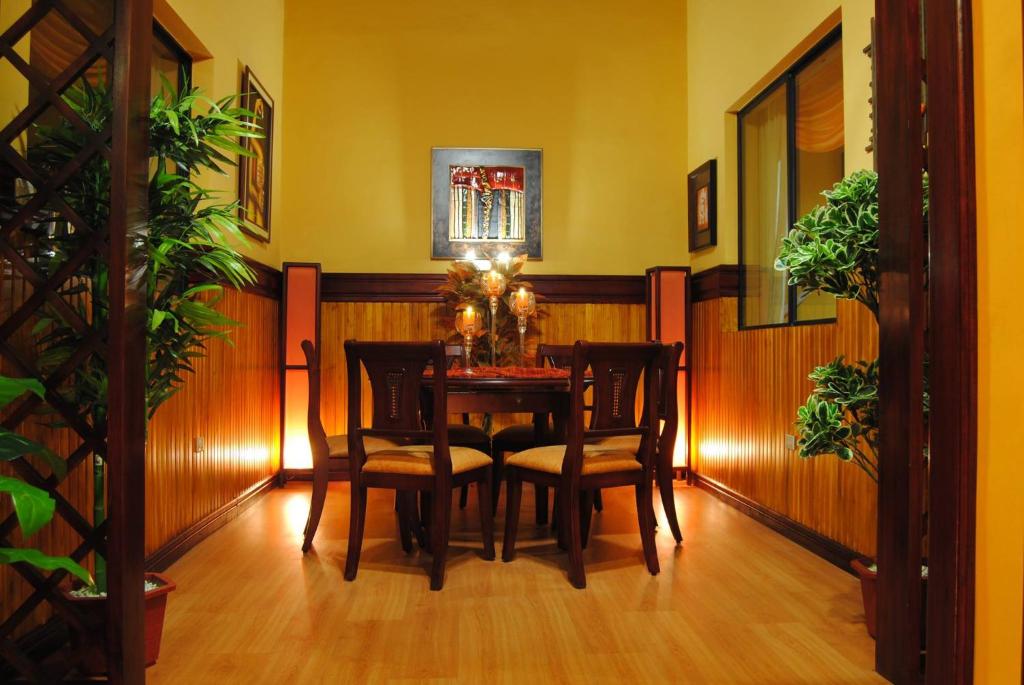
[300,321]
[668,321]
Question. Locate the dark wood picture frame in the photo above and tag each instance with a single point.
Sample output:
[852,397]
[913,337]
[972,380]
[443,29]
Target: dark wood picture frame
[702,205]
[253,200]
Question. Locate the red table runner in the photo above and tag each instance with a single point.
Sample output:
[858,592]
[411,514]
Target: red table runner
[506,372]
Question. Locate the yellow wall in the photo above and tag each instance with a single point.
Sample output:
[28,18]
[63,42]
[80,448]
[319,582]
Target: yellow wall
[600,85]
[730,46]
[237,33]
[999,120]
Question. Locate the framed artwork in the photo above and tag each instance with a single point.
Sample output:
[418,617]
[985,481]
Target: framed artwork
[485,200]
[703,206]
[254,177]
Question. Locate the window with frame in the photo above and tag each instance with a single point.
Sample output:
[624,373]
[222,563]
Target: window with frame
[791,147]
[170,61]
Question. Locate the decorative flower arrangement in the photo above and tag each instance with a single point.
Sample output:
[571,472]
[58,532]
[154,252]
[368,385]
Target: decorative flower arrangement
[476,282]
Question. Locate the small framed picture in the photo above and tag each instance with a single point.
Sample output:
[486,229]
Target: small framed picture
[254,177]
[703,206]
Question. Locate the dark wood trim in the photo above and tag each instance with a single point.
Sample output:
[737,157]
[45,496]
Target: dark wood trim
[901,338]
[811,540]
[718,281]
[397,287]
[268,280]
[126,357]
[183,542]
[953,345]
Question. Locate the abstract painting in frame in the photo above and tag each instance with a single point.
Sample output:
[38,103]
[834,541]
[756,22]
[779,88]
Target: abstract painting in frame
[702,205]
[254,173]
[486,200]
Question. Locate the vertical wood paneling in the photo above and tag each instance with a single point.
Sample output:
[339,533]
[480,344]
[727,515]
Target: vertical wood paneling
[747,386]
[232,404]
[558,324]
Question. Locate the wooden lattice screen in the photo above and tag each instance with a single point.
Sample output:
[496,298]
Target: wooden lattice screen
[54,55]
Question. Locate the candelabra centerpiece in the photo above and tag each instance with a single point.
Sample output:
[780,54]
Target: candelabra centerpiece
[468,323]
[523,304]
[493,286]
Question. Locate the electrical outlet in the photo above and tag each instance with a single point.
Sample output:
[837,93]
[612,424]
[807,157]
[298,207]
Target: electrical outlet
[199,445]
[790,442]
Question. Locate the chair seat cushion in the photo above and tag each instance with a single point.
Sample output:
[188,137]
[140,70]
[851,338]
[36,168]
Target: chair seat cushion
[414,460]
[596,459]
[520,435]
[338,445]
[460,434]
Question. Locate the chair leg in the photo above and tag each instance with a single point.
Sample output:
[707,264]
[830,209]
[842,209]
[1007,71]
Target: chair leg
[442,518]
[404,521]
[571,505]
[513,497]
[356,524]
[646,518]
[426,507]
[497,475]
[598,502]
[586,511]
[316,505]
[540,493]
[483,489]
[668,500]
[463,496]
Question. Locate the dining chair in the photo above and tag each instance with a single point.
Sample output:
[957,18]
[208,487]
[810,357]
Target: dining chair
[668,415]
[578,468]
[523,436]
[330,452]
[428,464]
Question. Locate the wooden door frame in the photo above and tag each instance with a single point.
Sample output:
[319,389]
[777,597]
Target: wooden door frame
[947,315]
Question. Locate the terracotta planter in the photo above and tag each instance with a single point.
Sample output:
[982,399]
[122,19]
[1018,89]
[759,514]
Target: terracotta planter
[868,591]
[89,644]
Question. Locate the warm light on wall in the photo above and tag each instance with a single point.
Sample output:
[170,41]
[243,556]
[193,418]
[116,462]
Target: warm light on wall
[301,322]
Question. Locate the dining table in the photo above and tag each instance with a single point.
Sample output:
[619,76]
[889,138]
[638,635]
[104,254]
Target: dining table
[541,391]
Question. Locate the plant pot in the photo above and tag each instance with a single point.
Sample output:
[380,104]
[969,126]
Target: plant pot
[89,644]
[868,591]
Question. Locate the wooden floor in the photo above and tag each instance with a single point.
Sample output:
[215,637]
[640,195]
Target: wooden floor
[736,603]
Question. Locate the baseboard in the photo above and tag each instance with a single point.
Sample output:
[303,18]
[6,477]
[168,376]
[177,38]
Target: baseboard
[811,540]
[181,543]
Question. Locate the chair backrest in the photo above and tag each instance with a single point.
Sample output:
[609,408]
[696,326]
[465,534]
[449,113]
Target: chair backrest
[396,374]
[616,370]
[314,426]
[555,356]
[668,397]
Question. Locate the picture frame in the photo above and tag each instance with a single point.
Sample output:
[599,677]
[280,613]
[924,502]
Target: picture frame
[486,200]
[255,173]
[702,205]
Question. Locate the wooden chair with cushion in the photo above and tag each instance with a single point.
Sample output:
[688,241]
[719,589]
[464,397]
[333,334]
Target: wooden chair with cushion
[524,436]
[578,468]
[426,464]
[330,452]
[668,415]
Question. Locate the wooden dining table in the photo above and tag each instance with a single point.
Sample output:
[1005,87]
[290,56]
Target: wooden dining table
[509,389]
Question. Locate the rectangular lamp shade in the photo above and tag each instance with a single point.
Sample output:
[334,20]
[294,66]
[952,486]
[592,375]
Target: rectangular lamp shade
[668,321]
[300,321]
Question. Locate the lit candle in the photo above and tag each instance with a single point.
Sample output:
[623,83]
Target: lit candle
[494,284]
[469,321]
[521,299]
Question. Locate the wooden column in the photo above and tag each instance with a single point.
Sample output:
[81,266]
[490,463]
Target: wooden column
[126,437]
[901,337]
[953,349]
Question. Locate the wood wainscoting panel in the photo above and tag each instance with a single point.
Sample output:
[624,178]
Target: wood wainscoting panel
[747,386]
[232,404]
[559,324]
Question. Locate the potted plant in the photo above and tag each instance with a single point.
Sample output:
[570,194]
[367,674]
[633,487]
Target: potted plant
[834,249]
[189,253]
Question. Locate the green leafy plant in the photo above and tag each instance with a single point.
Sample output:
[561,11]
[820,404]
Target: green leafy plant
[188,251]
[463,288]
[834,249]
[33,507]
